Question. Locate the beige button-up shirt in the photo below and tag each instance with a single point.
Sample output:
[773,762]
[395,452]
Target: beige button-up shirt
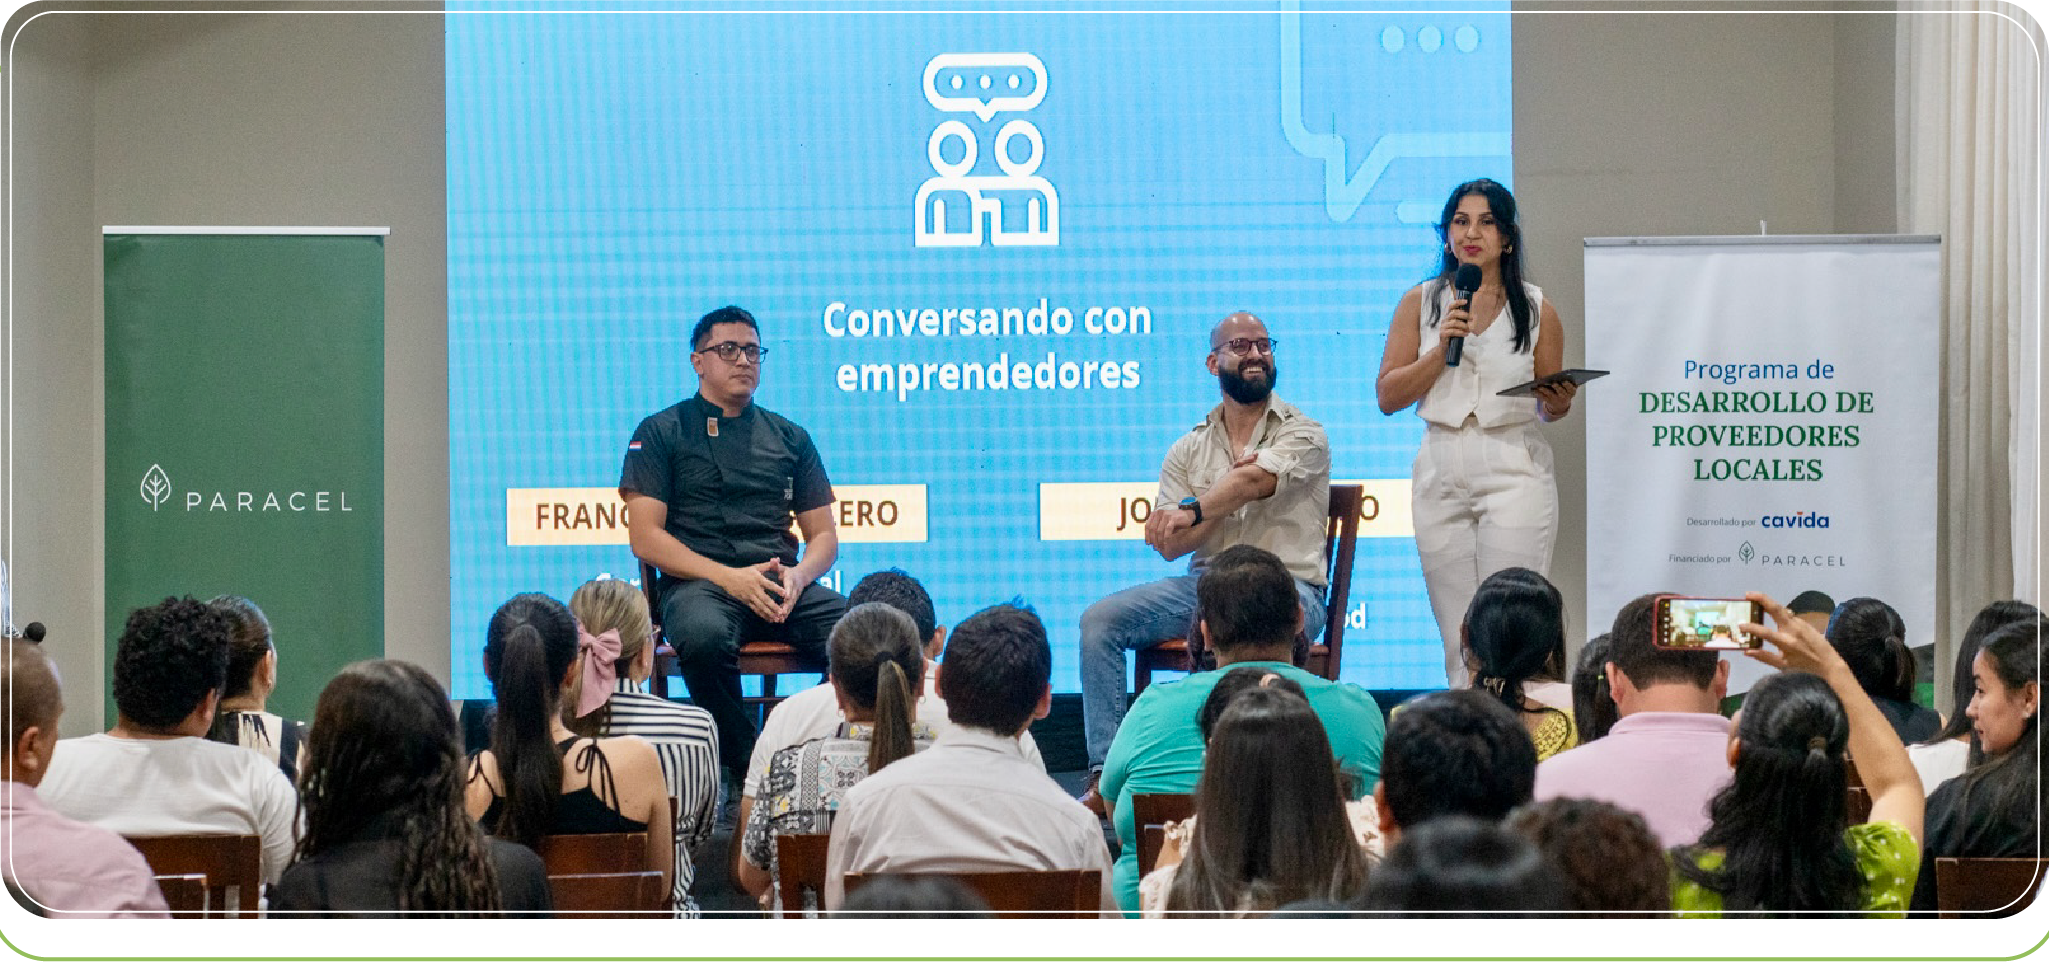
[1290,524]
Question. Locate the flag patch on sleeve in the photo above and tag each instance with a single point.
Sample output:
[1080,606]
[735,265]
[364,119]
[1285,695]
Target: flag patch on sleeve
[633,447]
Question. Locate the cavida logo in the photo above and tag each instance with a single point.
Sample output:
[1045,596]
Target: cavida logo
[1806,520]
[156,491]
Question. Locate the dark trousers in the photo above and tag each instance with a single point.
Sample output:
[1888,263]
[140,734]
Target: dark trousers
[706,627]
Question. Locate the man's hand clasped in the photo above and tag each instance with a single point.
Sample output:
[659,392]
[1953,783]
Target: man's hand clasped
[767,588]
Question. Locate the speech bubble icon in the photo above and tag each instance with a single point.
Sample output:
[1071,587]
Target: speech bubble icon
[984,84]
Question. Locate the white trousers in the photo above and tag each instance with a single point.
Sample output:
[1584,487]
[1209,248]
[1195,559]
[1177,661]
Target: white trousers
[1484,500]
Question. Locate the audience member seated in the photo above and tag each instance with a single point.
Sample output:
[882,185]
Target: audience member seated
[1873,641]
[538,778]
[1951,751]
[877,671]
[252,676]
[64,869]
[1814,607]
[914,897]
[1779,841]
[1273,827]
[1667,753]
[972,802]
[385,826]
[155,773]
[815,711]
[1992,810]
[1514,633]
[1453,753]
[1593,707]
[1248,609]
[1464,868]
[1607,857]
[615,658]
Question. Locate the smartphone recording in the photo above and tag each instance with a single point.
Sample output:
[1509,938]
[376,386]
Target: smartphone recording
[1700,623]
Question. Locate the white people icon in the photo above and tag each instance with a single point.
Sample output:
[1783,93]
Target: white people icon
[1019,207]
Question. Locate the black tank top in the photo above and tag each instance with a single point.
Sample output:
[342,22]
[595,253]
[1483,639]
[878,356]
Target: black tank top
[584,811]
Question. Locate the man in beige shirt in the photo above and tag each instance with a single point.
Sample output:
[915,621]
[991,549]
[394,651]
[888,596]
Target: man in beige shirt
[1255,471]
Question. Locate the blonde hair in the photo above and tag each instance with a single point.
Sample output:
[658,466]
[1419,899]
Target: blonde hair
[607,604]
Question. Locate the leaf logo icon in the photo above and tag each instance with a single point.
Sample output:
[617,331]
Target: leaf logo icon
[1746,551]
[156,486]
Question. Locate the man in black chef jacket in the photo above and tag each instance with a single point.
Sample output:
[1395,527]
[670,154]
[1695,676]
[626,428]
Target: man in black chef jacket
[711,485]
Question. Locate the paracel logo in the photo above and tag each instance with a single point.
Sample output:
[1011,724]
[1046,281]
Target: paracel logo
[1804,520]
[1745,552]
[156,486]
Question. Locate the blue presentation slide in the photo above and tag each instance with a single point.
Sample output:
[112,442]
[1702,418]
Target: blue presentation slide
[986,250]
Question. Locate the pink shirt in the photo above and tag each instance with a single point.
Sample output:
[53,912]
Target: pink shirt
[1664,766]
[75,870]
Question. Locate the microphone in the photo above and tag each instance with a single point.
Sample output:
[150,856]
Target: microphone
[1463,284]
[34,632]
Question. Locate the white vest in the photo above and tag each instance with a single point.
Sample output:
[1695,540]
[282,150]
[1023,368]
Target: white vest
[1488,365]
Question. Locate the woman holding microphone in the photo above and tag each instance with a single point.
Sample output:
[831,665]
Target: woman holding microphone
[1483,498]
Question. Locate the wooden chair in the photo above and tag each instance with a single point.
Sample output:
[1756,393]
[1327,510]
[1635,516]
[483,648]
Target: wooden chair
[769,659]
[232,865]
[1999,886]
[1340,543]
[184,895]
[800,873]
[609,895]
[1857,799]
[594,854]
[1150,815]
[1055,894]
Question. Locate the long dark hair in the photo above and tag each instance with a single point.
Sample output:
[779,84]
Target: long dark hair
[2008,783]
[1272,826]
[1991,617]
[1593,706]
[248,642]
[1502,204]
[385,747]
[876,654]
[1779,823]
[527,651]
[1872,639]
[1516,629]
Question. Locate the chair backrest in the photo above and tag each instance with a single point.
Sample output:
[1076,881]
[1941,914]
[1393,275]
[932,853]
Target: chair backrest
[589,854]
[1150,814]
[232,865]
[1340,545]
[800,873]
[184,895]
[1056,894]
[2003,886]
[608,895]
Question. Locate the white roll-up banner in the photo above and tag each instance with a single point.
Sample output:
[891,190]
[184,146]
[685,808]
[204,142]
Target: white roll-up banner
[1769,424]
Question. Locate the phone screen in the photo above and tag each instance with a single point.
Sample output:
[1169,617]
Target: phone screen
[1690,623]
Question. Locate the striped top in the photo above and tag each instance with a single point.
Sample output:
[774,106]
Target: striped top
[687,742]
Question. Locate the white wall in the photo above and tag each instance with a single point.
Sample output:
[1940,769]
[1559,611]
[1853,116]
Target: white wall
[1626,123]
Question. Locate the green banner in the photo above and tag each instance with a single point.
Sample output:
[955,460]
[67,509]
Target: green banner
[245,438]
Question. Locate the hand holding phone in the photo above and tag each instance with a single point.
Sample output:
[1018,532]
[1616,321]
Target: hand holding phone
[1800,646]
[1704,623]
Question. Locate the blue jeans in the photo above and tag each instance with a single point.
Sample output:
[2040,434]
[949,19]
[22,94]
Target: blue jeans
[1138,617]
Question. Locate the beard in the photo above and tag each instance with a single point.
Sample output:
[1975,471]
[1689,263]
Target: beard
[1248,391]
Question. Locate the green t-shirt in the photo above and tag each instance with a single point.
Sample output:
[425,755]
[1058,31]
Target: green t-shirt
[1158,748]
[1885,854]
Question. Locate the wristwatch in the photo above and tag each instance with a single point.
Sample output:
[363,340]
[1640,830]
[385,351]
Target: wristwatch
[1194,506]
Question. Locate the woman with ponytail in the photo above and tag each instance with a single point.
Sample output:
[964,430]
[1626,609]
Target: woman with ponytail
[1779,840]
[538,778]
[1873,641]
[607,697]
[382,799]
[1514,634]
[1994,809]
[877,672]
[252,676]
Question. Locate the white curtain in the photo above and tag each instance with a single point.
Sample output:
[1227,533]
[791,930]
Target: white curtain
[1970,128]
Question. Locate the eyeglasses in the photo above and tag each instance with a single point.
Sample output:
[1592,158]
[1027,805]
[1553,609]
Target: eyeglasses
[1245,347]
[732,351]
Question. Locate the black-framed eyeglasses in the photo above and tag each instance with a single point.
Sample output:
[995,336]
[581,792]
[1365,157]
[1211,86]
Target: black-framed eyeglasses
[1241,347]
[732,351]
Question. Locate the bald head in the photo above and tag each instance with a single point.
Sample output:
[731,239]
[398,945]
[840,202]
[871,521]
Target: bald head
[30,686]
[1237,325]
